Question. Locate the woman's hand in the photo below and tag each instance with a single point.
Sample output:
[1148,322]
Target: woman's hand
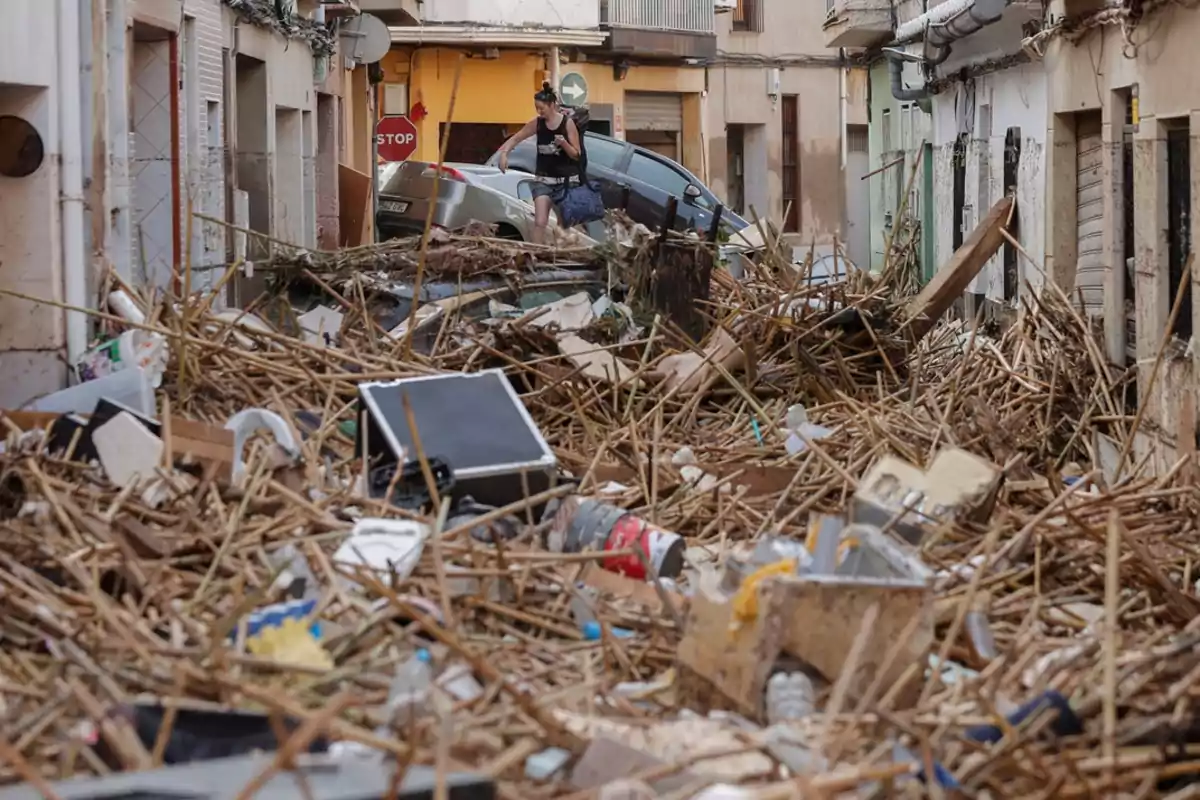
[503,161]
[566,146]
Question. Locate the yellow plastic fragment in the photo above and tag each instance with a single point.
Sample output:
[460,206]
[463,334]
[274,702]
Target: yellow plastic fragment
[745,602]
[814,532]
[291,642]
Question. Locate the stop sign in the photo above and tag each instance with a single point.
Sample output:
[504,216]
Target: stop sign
[396,138]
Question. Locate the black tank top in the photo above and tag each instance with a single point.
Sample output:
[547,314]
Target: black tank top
[552,162]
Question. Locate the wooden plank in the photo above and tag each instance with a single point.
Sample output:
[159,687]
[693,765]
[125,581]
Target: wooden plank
[196,441]
[952,280]
[32,420]
[354,188]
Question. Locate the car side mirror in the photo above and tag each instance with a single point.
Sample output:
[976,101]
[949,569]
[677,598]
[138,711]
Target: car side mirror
[692,191]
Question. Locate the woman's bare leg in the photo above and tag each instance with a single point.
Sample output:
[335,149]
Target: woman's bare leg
[541,218]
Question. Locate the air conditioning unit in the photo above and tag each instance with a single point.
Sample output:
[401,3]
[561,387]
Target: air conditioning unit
[725,6]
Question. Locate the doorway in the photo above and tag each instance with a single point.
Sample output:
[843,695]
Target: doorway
[654,120]
[154,146]
[253,166]
[1012,163]
[1090,266]
[789,113]
[472,142]
[1179,221]
[252,158]
[735,139]
[289,176]
[960,189]
[858,196]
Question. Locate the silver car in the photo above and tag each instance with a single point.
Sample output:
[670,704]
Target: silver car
[465,193]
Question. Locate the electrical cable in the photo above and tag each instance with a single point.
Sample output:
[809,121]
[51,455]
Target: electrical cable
[1074,29]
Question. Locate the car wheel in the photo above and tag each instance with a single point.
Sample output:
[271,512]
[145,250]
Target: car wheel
[506,231]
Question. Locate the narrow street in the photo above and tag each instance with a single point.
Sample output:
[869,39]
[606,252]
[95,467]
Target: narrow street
[689,399]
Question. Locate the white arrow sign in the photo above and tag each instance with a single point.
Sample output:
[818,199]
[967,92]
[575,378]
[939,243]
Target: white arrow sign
[574,89]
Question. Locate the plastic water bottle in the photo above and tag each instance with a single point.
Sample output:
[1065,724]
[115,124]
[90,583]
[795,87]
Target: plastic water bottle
[408,696]
[295,568]
[790,697]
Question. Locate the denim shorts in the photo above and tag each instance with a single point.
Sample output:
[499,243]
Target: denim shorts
[555,191]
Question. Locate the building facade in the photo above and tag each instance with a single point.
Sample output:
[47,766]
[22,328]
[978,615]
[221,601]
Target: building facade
[1124,127]
[787,123]
[958,120]
[1084,113]
[716,85]
[633,62]
[134,134]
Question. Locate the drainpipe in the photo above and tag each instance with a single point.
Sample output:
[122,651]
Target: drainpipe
[896,59]
[88,112]
[118,248]
[70,142]
[941,27]
[177,155]
[980,14]
[843,103]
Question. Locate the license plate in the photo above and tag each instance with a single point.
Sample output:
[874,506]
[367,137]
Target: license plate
[393,205]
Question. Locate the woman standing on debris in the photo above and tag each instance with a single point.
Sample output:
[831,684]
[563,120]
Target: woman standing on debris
[558,154]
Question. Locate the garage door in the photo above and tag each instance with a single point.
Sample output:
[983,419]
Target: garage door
[653,111]
[1089,272]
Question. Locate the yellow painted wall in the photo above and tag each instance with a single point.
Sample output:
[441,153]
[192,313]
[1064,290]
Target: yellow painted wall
[501,90]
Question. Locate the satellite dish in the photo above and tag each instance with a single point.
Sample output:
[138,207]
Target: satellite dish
[365,39]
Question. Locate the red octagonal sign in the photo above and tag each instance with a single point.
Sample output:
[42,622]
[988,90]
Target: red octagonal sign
[396,137]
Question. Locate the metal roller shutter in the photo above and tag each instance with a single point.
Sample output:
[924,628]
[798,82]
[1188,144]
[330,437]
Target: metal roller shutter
[653,111]
[1090,267]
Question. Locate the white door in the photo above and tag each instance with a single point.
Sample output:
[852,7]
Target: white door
[858,198]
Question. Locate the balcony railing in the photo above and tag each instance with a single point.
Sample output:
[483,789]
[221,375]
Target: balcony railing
[680,16]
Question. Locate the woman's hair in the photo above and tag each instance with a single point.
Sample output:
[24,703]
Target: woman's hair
[546,95]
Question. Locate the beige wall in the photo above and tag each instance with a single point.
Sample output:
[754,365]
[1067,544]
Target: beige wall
[31,259]
[738,95]
[164,14]
[30,256]
[290,122]
[1084,77]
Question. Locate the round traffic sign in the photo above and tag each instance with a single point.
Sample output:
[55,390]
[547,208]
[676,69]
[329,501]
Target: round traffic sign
[396,138]
[573,89]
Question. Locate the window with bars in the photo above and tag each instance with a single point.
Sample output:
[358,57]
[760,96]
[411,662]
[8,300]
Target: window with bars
[745,16]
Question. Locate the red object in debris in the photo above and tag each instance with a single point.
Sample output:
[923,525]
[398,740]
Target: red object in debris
[581,525]
[663,550]
[418,112]
[396,137]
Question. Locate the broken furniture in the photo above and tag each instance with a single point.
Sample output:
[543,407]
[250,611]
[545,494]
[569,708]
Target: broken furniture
[957,486]
[725,662]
